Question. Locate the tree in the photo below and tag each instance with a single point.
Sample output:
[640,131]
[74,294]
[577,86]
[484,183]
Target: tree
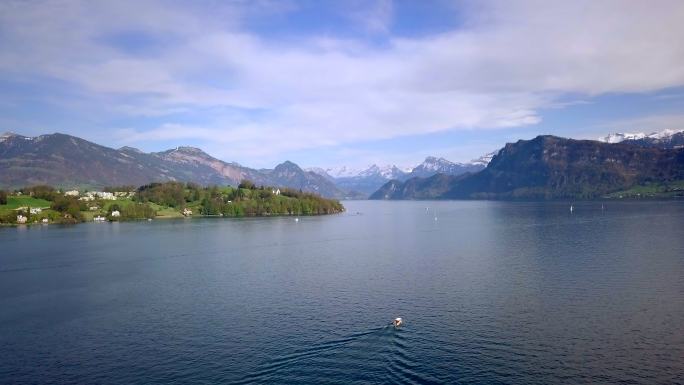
[246,183]
[3,197]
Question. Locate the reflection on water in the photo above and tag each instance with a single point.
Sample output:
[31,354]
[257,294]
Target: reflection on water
[491,292]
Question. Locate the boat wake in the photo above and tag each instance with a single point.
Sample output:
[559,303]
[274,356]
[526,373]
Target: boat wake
[376,355]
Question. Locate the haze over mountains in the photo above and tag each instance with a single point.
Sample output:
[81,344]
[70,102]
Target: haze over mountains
[545,167]
[367,181]
[68,161]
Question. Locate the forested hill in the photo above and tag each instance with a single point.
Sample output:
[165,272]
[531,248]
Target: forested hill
[245,200]
[549,167]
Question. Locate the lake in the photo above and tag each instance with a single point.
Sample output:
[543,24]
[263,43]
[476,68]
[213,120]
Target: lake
[490,292]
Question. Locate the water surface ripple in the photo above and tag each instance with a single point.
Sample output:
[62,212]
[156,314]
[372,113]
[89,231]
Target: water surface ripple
[491,293]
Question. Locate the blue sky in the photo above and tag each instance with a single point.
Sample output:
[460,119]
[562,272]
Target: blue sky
[329,83]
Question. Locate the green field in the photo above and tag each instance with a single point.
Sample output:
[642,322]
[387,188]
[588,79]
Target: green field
[166,212]
[655,190]
[14,202]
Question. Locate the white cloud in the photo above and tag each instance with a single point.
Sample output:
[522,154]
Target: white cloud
[508,61]
[646,124]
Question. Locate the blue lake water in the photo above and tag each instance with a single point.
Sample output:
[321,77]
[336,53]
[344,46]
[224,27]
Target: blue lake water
[491,292]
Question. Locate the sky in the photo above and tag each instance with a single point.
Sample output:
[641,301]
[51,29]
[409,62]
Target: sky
[329,83]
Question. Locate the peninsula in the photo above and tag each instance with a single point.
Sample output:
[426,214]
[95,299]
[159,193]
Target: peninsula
[45,204]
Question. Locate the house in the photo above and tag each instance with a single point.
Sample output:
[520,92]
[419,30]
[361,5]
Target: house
[99,218]
[276,192]
[21,219]
[116,213]
[105,195]
[35,210]
[187,212]
[45,220]
[93,208]
[71,193]
[92,195]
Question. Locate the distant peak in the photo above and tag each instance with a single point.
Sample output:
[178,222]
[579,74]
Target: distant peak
[288,167]
[10,134]
[185,150]
[287,164]
[130,149]
[189,150]
[484,159]
[434,159]
[618,137]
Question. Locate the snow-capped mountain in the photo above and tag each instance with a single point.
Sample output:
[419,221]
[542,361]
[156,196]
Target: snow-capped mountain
[618,137]
[340,172]
[387,172]
[432,165]
[484,159]
[320,171]
[368,180]
[663,139]
[622,136]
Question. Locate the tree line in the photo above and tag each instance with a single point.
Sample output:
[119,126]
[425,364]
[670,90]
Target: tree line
[247,199]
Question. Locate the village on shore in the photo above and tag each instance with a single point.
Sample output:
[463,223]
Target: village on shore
[45,204]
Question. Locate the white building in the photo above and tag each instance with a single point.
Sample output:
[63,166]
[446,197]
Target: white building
[116,213]
[187,212]
[35,210]
[99,219]
[21,219]
[45,220]
[72,193]
[105,195]
[92,195]
[276,192]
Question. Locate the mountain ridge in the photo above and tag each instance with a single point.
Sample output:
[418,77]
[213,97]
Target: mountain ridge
[550,167]
[64,160]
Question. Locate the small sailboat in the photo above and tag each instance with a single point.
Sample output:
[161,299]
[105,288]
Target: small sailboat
[572,208]
[296,219]
[397,322]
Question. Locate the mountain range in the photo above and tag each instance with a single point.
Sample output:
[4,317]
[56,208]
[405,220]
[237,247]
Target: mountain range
[67,161]
[546,167]
[550,167]
[369,180]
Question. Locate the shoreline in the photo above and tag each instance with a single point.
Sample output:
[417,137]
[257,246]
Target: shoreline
[165,217]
